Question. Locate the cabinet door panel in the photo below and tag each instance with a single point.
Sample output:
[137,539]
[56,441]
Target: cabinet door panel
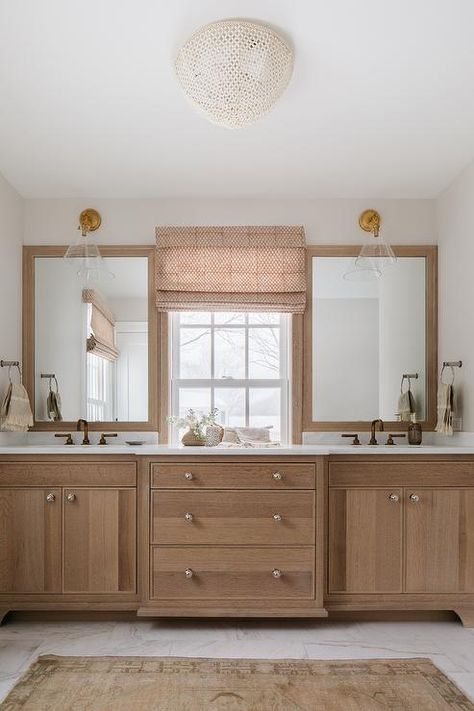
[440,540]
[30,540]
[99,540]
[365,541]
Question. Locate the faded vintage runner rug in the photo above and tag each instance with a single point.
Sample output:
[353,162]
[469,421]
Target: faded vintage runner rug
[170,684]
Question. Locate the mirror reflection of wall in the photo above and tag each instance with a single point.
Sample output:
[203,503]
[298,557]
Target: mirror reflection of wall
[94,340]
[366,335]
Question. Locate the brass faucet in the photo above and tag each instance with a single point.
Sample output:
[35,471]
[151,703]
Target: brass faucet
[86,430]
[372,430]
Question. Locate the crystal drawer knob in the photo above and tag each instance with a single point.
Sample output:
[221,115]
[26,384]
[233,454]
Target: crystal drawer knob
[188,475]
[276,573]
[415,498]
[50,498]
[277,476]
[277,517]
[71,498]
[188,517]
[188,573]
[394,497]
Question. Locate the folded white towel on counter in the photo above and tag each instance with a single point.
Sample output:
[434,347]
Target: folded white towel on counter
[15,413]
[445,409]
[248,443]
[247,437]
[242,434]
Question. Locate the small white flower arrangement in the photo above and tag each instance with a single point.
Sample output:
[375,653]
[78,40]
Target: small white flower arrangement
[196,422]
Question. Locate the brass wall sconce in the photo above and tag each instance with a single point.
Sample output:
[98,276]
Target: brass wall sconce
[83,255]
[375,255]
[89,221]
[369,221]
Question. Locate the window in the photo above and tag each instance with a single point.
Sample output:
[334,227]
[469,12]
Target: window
[100,390]
[237,362]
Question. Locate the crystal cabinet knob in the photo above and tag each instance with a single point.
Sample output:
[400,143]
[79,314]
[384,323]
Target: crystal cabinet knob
[277,517]
[188,517]
[277,476]
[276,573]
[50,498]
[71,498]
[188,475]
[394,497]
[414,498]
[188,573]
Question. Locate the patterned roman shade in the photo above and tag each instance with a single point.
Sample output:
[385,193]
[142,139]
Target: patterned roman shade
[231,269]
[101,340]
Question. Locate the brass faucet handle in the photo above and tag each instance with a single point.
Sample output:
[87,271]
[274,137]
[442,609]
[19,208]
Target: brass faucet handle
[355,440]
[68,437]
[103,437]
[391,438]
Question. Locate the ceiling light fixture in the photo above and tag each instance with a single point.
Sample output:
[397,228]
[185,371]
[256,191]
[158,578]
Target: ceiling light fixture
[83,254]
[233,71]
[375,255]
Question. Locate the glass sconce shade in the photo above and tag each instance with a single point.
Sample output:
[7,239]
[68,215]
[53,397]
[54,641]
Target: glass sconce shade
[362,273]
[84,257]
[376,254]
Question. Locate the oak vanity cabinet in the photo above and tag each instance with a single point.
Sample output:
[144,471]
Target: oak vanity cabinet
[236,537]
[67,528]
[401,527]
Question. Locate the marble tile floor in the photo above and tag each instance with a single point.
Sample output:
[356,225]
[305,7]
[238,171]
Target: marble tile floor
[447,643]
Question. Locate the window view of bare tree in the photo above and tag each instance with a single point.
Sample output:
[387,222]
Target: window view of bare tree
[231,361]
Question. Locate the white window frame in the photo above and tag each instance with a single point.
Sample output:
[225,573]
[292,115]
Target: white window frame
[282,383]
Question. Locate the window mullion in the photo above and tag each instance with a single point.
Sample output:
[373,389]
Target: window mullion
[247,392]
[212,361]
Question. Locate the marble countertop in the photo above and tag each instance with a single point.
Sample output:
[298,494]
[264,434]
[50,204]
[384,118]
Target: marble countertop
[151,450]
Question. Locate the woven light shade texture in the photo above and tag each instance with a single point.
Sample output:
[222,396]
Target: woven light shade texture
[233,71]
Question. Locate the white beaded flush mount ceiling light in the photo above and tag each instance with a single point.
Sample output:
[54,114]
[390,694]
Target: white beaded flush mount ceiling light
[233,71]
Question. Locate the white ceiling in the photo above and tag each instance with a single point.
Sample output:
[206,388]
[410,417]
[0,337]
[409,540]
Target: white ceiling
[381,102]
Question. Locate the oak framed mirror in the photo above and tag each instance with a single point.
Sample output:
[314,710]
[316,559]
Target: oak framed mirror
[90,350]
[367,341]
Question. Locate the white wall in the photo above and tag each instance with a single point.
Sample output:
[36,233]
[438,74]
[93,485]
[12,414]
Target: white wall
[11,238]
[61,319]
[346,388]
[455,218]
[133,221]
[402,341]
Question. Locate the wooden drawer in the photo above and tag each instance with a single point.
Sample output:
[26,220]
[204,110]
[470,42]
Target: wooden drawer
[65,473]
[401,473]
[233,517]
[233,476]
[232,573]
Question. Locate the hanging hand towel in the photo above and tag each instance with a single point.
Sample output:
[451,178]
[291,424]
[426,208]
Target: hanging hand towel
[406,406]
[53,403]
[54,406]
[16,409]
[445,409]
